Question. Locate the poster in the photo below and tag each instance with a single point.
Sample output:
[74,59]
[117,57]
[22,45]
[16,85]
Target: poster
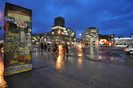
[17,39]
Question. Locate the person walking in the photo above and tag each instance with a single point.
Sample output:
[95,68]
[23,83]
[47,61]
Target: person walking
[52,48]
[49,47]
[45,47]
[56,48]
[41,46]
[66,48]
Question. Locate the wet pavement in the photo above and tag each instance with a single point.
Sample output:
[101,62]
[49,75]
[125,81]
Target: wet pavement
[83,69]
[112,56]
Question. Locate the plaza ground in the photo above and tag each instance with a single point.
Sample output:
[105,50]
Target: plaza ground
[110,68]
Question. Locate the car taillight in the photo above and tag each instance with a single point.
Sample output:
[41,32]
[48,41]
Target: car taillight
[126,48]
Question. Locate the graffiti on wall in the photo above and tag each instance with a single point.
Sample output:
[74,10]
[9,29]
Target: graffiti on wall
[17,38]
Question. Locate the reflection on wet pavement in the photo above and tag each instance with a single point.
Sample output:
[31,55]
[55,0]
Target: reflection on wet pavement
[110,58]
[79,62]
[59,62]
[64,71]
[77,71]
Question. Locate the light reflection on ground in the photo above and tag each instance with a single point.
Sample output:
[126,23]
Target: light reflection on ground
[59,63]
[79,63]
[111,58]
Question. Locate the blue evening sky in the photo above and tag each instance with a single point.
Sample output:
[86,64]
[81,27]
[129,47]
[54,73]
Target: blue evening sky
[109,16]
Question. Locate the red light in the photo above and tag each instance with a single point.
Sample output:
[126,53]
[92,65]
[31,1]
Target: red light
[105,40]
[126,48]
[110,44]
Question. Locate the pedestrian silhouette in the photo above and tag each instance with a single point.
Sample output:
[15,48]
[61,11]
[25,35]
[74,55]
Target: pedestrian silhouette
[49,47]
[41,46]
[45,47]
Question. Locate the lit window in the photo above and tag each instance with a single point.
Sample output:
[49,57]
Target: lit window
[52,33]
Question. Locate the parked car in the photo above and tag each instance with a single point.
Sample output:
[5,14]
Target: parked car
[106,45]
[129,49]
[121,45]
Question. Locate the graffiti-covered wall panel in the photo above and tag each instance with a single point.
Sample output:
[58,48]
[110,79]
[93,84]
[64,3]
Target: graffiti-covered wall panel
[17,39]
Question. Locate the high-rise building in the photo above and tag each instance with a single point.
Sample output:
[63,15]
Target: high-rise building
[59,21]
[61,34]
[58,34]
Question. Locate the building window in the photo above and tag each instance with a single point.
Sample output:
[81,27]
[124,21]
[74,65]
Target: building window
[52,33]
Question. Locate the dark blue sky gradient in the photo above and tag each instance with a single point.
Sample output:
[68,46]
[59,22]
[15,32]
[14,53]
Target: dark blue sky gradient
[109,16]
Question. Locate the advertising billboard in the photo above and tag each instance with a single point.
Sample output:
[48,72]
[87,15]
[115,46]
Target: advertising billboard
[17,39]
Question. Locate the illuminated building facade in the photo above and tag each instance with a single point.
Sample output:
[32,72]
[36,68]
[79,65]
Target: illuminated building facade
[62,35]
[43,37]
[123,42]
[58,34]
[36,38]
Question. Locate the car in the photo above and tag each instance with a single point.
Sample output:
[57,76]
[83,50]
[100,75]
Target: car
[121,45]
[129,49]
[106,45]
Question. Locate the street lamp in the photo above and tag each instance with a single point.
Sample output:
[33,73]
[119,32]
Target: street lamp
[80,34]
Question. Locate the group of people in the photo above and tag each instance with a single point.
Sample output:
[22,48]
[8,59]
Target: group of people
[45,46]
[65,49]
[53,48]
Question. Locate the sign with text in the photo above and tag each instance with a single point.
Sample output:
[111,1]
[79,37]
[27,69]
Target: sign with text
[17,39]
